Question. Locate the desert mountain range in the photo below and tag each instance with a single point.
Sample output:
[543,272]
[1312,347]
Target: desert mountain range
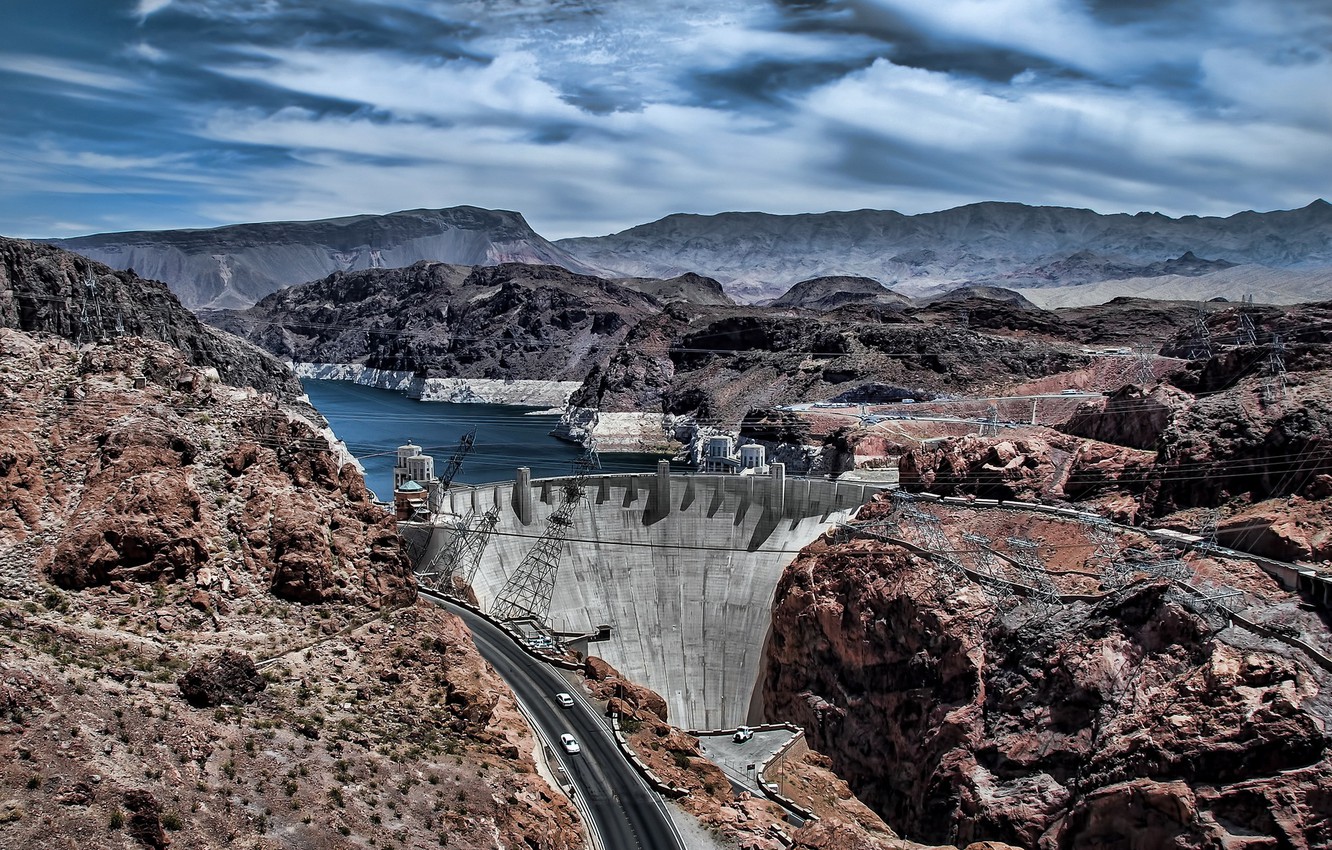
[1056,256]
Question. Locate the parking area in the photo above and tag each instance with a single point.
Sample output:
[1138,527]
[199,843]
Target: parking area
[742,761]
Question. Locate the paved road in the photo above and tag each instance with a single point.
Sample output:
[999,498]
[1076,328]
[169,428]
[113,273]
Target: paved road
[627,813]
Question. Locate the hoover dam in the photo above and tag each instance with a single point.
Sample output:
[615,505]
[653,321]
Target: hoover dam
[681,567]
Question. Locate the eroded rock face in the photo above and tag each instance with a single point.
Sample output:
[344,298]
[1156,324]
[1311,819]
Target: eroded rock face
[229,677]
[47,290]
[182,481]
[1024,468]
[1133,416]
[1125,720]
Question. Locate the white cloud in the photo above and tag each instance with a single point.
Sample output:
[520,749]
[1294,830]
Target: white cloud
[506,89]
[145,51]
[61,71]
[149,7]
[1297,90]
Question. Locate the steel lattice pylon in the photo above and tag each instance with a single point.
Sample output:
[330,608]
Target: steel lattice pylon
[1274,387]
[527,593]
[1146,366]
[1108,559]
[1042,594]
[1202,341]
[463,557]
[983,562]
[456,460]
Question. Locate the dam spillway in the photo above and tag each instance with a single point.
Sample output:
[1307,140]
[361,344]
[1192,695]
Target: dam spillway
[682,567]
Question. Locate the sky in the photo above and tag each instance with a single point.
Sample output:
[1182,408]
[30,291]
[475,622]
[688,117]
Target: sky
[591,116]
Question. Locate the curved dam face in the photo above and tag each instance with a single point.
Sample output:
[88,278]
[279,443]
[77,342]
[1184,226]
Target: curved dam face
[682,567]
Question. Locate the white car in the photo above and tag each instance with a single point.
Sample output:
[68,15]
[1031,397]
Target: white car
[570,744]
[564,700]
[1070,392]
[744,733]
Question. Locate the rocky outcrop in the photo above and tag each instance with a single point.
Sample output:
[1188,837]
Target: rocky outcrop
[1128,721]
[1025,468]
[438,321]
[1132,416]
[182,480]
[830,293]
[237,265]
[48,290]
[229,677]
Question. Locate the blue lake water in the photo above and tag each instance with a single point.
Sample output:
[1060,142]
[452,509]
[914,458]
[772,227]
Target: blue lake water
[374,422]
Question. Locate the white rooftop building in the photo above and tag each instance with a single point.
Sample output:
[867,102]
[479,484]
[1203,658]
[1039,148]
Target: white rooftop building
[413,466]
[720,456]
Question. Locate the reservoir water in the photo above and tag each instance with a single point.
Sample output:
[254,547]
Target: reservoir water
[374,422]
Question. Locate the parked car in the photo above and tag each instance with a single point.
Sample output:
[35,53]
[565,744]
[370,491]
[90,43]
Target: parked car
[564,700]
[570,744]
[744,733]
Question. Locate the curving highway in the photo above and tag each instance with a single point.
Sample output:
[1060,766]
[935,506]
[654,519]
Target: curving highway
[626,814]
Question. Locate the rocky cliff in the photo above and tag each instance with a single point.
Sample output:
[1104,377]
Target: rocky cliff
[437,320]
[757,255]
[160,536]
[235,266]
[47,290]
[1115,712]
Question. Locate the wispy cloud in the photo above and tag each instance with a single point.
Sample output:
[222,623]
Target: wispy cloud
[594,115]
[68,72]
[144,8]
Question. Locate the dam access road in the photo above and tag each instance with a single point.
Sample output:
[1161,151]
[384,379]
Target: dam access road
[626,814]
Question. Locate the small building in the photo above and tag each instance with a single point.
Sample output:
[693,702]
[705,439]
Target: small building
[413,466]
[719,456]
[753,459]
[415,487]
[409,500]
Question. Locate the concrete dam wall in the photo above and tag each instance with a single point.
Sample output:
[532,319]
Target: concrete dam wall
[682,567]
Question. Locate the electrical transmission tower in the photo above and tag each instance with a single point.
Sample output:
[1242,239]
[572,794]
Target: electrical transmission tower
[1146,365]
[1108,559]
[928,530]
[990,427]
[455,461]
[1274,390]
[1207,530]
[984,563]
[1042,594]
[527,593]
[462,557]
[1209,601]
[1248,334]
[964,319]
[1202,337]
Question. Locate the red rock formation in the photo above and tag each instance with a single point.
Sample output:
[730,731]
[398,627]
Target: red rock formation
[1025,468]
[182,480]
[1125,722]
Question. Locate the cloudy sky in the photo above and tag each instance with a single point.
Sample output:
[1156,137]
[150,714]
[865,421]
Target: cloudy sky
[590,116]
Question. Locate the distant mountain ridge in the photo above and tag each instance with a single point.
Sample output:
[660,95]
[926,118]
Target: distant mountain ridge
[236,265]
[760,255]
[1282,257]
